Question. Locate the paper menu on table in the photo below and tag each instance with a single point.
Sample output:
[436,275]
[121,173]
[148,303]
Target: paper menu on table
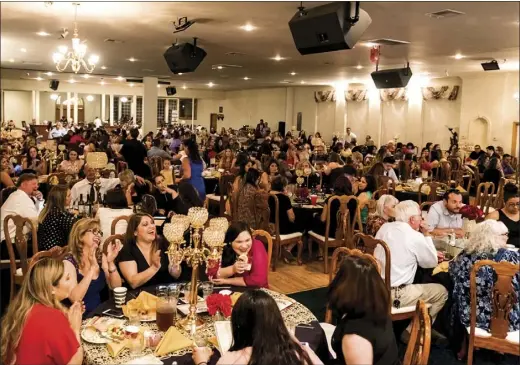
[224,336]
[283,303]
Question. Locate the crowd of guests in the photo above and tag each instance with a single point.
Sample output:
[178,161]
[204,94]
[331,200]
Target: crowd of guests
[56,294]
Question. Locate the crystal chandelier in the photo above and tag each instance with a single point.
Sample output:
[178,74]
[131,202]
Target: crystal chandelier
[74,57]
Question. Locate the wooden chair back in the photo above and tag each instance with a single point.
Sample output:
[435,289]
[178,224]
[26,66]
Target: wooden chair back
[418,349]
[5,192]
[337,258]
[225,185]
[116,220]
[498,202]
[456,163]
[56,253]
[350,224]
[268,239]
[378,193]
[21,245]
[432,195]
[112,239]
[156,163]
[484,196]
[386,182]
[475,175]
[426,206]
[503,299]
[404,170]
[367,244]
[274,226]
[443,173]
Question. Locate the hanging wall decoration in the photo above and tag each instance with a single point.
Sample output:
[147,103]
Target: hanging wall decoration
[440,92]
[323,96]
[400,94]
[356,95]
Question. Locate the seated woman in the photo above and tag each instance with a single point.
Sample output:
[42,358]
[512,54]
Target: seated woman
[178,201]
[89,277]
[32,162]
[364,334]
[314,178]
[55,222]
[250,202]
[487,241]
[285,214]
[143,260]
[164,195]
[72,164]
[167,172]
[255,314]
[244,259]
[5,173]
[227,159]
[273,170]
[116,205]
[37,329]
[384,213]
[493,172]
[509,215]
[364,190]
[243,163]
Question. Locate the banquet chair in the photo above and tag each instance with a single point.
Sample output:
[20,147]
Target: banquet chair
[337,257]
[156,163]
[224,186]
[432,195]
[21,245]
[55,252]
[484,196]
[339,238]
[498,202]
[112,239]
[425,208]
[266,238]
[404,170]
[504,297]
[5,192]
[377,194]
[418,349]
[443,172]
[116,220]
[386,182]
[283,239]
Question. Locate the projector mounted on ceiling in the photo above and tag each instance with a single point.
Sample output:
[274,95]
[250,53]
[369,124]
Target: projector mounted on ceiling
[490,66]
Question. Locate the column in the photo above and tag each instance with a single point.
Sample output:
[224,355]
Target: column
[103,115]
[119,107]
[133,110]
[76,108]
[61,108]
[315,119]
[68,105]
[167,110]
[289,109]
[150,93]
[192,113]
[111,111]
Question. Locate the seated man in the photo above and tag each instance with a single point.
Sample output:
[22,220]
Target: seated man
[410,245]
[506,165]
[388,164]
[444,218]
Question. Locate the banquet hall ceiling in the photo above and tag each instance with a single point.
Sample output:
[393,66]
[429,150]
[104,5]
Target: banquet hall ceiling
[144,30]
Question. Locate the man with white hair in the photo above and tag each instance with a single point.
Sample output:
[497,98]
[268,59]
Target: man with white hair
[410,246]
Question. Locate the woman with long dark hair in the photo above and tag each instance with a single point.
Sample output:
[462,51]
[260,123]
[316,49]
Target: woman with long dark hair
[72,164]
[192,168]
[250,201]
[32,162]
[260,336]
[364,189]
[359,296]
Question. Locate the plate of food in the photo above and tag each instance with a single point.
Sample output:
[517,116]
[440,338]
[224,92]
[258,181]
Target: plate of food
[145,304]
[102,330]
[91,335]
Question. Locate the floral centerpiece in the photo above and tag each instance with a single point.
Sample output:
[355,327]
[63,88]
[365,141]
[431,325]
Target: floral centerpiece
[471,215]
[219,305]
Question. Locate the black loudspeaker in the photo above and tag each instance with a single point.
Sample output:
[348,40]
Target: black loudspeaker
[490,66]
[170,90]
[53,84]
[281,128]
[392,78]
[327,27]
[183,58]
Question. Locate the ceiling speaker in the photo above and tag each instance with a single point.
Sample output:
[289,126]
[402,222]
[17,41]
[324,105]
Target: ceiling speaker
[184,57]
[490,66]
[392,78]
[170,90]
[53,84]
[328,27]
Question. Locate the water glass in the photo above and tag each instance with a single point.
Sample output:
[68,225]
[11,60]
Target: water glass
[207,289]
[133,317]
[174,291]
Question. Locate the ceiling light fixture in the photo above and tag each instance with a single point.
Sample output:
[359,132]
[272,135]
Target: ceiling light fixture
[293,73]
[86,76]
[48,73]
[54,96]
[184,87]
[124,99]
[158,85]
[131,59]
[102,82]
[76,56]
[248,27]
[277,58]
[120,78]
[90,98]
[103,67]
[180,74]
[211,84]
[71,81]
[369,44]
[11,60]
[131,85]
[458,56]
[246,78]
[39,78]
[302,82]
[23,50]
[359,67]
[43,34]
[220,67]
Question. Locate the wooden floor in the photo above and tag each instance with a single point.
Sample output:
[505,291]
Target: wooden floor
[288,279]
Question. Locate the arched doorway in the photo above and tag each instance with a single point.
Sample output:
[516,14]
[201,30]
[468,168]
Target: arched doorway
[478,132]
[61,108]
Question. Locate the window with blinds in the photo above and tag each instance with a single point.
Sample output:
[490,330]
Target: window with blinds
[115,109]
[161,108]
[139,109]
[126,109]
[185,109]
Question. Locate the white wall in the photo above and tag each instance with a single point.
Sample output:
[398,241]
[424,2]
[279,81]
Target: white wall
[17,106]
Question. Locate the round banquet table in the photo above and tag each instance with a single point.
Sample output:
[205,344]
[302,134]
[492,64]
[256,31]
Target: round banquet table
[414,195]
[311,332]
[304,215]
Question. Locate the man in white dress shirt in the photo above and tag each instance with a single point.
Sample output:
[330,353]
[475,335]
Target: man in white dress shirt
[410,248]
[349,137]
[86,186]
[58,131]
[388,164]
[444,217]
[27,202]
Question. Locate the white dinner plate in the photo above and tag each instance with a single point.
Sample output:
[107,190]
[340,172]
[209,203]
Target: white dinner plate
[91,335]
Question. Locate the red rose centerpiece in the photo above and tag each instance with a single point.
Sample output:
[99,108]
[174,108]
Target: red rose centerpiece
[471,212]
[219,304]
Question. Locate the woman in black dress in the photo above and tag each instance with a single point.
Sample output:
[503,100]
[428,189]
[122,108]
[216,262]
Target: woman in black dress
[364,333]
[510,214]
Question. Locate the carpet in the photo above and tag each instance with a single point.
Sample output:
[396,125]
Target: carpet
[315,300]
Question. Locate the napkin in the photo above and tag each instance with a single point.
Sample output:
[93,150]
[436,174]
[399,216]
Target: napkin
[114,348]
[234,297]
[145,303]
[145,360]
[461,189]
[172,341]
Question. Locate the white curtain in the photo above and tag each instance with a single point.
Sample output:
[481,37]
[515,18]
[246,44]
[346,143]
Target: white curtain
[393,121]
[357,119]
[438,115]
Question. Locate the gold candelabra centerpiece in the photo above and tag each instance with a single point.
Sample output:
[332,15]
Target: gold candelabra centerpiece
[97,161]
[205,247]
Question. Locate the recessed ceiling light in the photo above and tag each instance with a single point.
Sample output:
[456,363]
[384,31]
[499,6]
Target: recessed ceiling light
[48,73]
[277,58]
[220,67]
[23,50]
[11,60]
[124,99]
[302,82]
[131,85]
[54,96]
[86,76]
[103,67]
[120,78]
[184,87]
[71,81]
[39,78]
[369,44]
[248,27]
[293,73]
[246,78]
[180,74]
[158,85]
[359,67]
[131,59]
[43,34]
[458,56]
[102,82]
[90,98]
[211,84]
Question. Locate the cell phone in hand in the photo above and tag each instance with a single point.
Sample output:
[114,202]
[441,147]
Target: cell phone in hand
[114,313]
